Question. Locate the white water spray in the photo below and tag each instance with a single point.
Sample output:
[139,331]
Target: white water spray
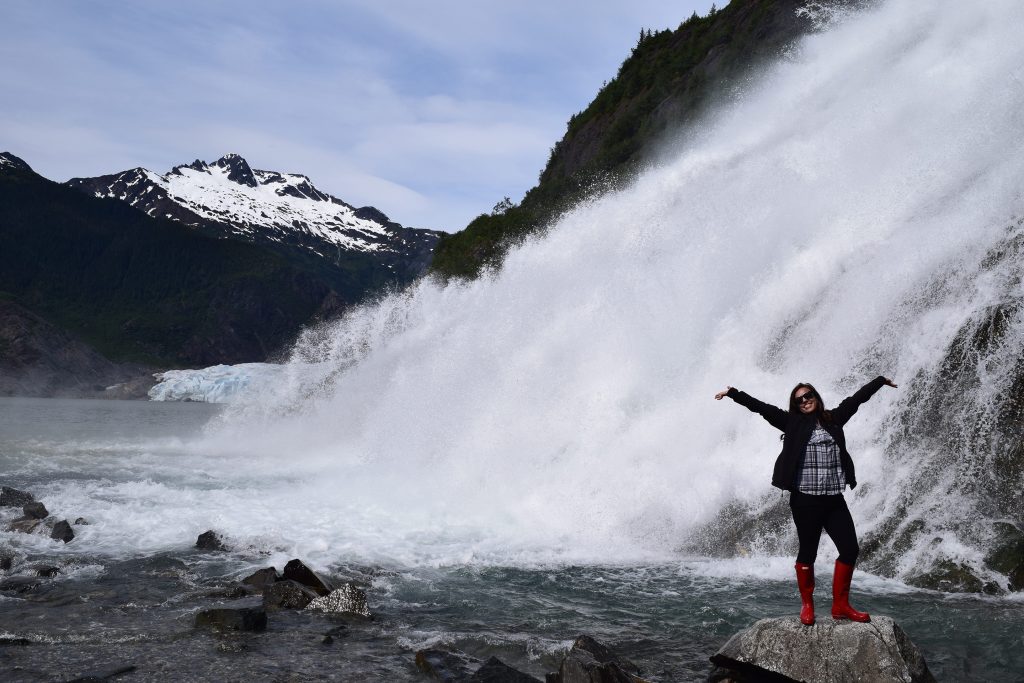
[830,226]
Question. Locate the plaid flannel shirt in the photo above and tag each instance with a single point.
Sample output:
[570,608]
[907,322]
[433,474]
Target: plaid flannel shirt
[821,473]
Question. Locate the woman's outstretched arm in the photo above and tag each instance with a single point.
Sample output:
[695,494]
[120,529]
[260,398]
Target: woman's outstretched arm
[775,416]
[845,410]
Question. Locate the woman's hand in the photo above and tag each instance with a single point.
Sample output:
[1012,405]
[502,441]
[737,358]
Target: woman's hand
[721,394]
[889,382]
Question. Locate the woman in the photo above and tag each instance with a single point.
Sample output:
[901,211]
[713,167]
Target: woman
[815,467]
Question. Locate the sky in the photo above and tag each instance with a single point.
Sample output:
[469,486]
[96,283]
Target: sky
[430,111]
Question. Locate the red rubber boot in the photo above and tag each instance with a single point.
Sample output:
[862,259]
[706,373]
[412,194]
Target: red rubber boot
[841,595]
[805,581]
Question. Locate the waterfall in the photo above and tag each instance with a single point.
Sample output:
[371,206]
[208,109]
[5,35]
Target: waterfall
[855,211]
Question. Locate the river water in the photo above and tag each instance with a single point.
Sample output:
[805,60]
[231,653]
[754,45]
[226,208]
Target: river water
[131,581]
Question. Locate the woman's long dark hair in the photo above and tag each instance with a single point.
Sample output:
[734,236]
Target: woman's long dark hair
[823,415]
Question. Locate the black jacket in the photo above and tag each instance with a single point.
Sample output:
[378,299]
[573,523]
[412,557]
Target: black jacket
[797,427]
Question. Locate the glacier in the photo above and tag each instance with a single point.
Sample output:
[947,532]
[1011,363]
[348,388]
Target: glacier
[215,384]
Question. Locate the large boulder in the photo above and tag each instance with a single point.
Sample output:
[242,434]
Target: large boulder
[62,531]
[785,651]
[287,594]
[591,662]
[345,600]
[211,540]
[296,570]
[14,498]
[261,578]
[35,510]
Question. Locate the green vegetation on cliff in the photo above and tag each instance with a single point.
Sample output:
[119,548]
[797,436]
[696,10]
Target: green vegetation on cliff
[669,80]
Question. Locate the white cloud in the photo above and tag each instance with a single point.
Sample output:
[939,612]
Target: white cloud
[429,111]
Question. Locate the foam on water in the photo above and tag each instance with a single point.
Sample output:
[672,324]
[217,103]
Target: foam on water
[838,221]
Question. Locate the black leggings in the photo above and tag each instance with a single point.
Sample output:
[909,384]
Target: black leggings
[814,513]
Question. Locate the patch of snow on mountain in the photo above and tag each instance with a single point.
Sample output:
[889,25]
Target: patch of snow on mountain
[286,203]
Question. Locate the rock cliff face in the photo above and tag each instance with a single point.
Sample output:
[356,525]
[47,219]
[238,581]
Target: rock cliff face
[783,650]
[39,359]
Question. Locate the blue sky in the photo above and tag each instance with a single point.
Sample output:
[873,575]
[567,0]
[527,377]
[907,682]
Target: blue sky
[431,111]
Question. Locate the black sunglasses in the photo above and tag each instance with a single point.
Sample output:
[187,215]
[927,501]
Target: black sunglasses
[804,398]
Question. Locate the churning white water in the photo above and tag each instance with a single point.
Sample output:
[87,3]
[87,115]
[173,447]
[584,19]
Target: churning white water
[843,218]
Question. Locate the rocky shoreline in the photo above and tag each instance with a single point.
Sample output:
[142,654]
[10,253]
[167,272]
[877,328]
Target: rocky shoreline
[76,621]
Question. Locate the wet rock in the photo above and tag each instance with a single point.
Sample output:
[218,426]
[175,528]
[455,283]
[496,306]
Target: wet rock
[287,594]
[949,577]
[233,619]
[25,525]
[1007,554]
[14,498]
[449,666]
[261,578]
[591,662]
[783,649]
[62,531]
[81,521]
[211,540]
[35,510]
[6,559]
[47,572]
[347,599]
[296,570]
[496,671]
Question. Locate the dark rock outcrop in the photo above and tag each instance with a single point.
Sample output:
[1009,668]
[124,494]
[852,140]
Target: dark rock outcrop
[784,650]
[448,666]
[14,498]
[287,594]
[35,510]
[261,578]
[47,572]
[62,531]
[496,671]
[211,540]
[233,619]
[344,600]
[591,662]
[296,570]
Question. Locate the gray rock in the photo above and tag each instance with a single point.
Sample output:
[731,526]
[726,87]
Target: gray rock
[62,531]
[783,649]
[35,510]
[591,662]
[47,572]
[6,559]
[261,578]
[14,498]
[233,619]
[347,599]
[448,666]
[210,540]
[496,671]
[287,595]
[296,570]
[25,525]
[82,521]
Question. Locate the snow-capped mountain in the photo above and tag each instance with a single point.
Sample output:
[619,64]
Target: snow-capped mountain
[229,199]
